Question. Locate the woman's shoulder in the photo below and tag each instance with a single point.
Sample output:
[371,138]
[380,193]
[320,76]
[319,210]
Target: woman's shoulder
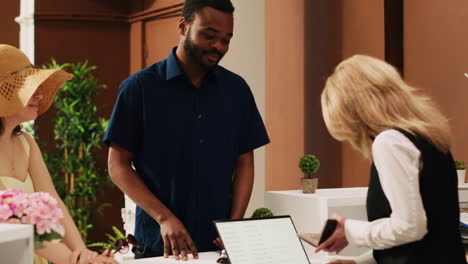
[394,141]
[28,140]
[28,137]
[390,135]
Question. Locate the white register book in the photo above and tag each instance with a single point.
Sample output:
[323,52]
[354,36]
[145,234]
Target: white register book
[271,240]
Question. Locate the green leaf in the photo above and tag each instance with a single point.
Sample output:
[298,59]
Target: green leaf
[78,124]
[99,244]
[111,237]
[119,234]
[262,213]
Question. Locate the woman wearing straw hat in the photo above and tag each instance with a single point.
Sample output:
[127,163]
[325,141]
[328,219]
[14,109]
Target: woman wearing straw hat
[412,201]
[25,93]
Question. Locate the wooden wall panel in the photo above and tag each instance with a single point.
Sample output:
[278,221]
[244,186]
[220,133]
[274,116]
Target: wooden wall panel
[99,34]
[83,6]
[305,40]
[284,49]
[153,31]
[9,29]
[322,53]
[136,47]
[363,32]
[297,64]
[436,57]
[146,5]
[161,36]
[363,28]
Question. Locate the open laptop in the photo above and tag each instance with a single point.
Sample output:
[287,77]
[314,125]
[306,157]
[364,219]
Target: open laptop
[271,240]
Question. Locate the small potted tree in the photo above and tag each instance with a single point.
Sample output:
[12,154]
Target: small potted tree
[460,166]
[309,164]
[262,213]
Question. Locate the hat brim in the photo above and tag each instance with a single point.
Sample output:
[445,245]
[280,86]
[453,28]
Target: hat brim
[50,86]
[28,81]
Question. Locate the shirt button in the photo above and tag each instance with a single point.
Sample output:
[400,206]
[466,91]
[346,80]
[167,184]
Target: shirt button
[201,141]
[199,116]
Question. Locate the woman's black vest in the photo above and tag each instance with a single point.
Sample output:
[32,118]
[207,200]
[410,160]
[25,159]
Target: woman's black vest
[439,192]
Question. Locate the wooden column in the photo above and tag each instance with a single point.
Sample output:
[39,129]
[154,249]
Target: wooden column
[136,47]
[363,32]
[323,39]
[284,70]
[436,58]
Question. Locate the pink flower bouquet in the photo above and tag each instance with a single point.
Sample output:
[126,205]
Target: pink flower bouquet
[39,209]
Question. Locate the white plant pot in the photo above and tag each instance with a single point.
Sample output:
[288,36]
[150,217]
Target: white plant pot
[461,177]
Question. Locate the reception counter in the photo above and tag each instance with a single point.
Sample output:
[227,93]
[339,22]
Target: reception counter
[204,258]
[310,211]
[210,258]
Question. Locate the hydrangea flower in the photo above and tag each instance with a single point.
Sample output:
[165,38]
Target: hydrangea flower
[39,209]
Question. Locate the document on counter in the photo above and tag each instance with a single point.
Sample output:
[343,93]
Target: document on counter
[262,241]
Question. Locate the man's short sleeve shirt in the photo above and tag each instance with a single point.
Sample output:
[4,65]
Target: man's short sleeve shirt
[185,142]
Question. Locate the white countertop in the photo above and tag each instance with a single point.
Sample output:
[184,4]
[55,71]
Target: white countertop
[12,232]
[204,258]
[211,257]
[333,196]
[16,243]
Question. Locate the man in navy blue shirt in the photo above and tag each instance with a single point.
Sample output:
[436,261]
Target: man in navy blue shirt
[189,128]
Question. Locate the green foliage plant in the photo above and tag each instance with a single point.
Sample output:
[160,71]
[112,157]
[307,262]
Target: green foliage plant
[309,165]
[111,239]
[262,213]
[77,137]
[460,165]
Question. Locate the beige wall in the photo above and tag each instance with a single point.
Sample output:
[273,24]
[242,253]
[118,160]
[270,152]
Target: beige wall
[246,57]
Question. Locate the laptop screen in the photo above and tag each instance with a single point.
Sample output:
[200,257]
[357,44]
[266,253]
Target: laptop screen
[271,240]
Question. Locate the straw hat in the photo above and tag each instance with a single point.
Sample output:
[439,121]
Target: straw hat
[19,79]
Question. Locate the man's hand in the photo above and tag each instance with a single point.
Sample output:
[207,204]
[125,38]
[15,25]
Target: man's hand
[177,239]
[219,243]
[82,256]
[337,240]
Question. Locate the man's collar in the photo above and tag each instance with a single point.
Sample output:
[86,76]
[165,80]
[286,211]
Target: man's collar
[172,68]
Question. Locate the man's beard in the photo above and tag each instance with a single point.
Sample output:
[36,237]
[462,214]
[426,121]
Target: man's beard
[194,54]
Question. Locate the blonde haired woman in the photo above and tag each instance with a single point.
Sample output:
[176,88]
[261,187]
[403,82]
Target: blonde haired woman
[25,93]
[412,201]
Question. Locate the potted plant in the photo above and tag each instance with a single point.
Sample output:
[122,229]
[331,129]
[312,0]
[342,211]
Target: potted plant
[460,166]
[262,213]
[309,164]
[78,131]
[112,238]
